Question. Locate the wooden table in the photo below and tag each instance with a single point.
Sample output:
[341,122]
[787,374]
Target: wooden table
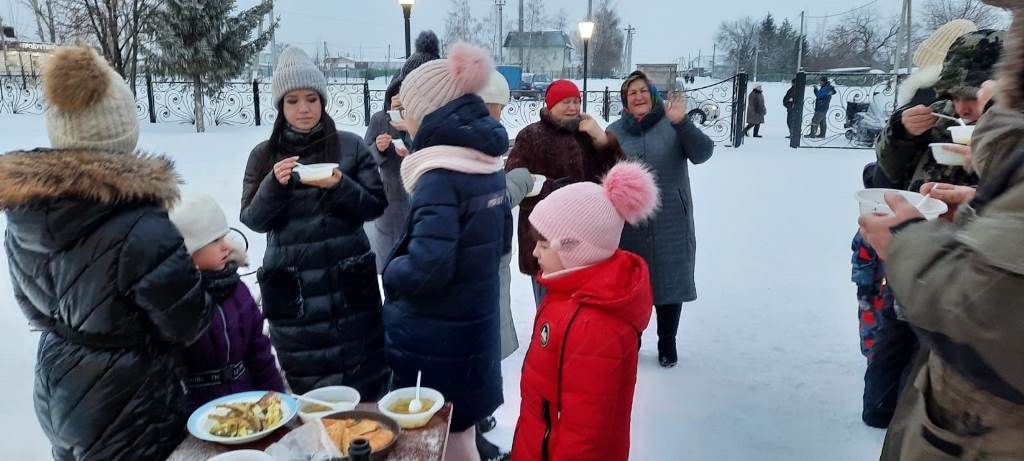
[425,444]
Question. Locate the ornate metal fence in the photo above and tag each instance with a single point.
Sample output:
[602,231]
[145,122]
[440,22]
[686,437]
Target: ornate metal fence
[713,108]
[855,115]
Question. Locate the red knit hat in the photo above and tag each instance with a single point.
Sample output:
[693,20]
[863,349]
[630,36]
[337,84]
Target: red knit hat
[560,90]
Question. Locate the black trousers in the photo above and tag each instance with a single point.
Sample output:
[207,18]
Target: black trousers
[892,357]
[756,127]
[668,320]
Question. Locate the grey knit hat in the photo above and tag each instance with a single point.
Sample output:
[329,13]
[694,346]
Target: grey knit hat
[90,105]
[295,71]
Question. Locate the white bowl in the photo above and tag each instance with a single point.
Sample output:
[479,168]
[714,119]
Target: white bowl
[242,455]
[316,171]
[417,420]
[330,394]
[199,423]
[962,134]
[872,202]
[943,156]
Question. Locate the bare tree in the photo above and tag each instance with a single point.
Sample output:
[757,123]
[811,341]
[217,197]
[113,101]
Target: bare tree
[460,25]
[939,12]
[57,21]
[117,27]
[739,39]
[863,38]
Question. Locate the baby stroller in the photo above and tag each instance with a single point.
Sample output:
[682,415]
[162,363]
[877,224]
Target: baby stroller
[864,121]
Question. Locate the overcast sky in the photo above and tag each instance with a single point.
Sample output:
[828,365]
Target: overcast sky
[667,29]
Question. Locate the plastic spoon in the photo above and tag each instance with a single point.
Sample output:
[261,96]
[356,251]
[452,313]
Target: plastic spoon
[312,400]
[957,120]
[925,199]
[416,405]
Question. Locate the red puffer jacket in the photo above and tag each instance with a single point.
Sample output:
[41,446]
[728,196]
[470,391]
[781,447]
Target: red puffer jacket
[580,371]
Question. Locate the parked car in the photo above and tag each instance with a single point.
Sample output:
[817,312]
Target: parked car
[535,85]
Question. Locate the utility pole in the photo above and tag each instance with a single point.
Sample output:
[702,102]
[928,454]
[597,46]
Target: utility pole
[501,34]
[800,45]
[273,41]
[714,56]
[630,32]
[522,61]
[910,26]
[757,56]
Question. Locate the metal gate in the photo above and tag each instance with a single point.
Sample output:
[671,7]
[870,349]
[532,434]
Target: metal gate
[855,116]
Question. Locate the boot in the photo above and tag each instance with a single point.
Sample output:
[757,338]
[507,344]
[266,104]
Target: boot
[667,356]
[489,451]
[668,324]
[746,131]
[757,131]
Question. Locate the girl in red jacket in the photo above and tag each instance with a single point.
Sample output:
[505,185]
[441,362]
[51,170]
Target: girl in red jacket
[580,370]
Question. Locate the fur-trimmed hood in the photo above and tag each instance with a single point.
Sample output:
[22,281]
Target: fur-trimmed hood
[104,177]
[54,197]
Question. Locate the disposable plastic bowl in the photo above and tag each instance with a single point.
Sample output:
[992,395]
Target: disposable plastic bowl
[872,202]
[962,134]
[945,156]
[417,420]
[316,171]
[330,394]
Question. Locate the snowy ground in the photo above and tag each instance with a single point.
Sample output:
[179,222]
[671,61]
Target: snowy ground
[769,368]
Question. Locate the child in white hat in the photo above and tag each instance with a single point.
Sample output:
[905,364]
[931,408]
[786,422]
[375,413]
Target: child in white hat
[233,355]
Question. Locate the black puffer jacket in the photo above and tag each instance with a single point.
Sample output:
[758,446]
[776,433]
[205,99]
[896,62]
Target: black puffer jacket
[96,264]
[319,278]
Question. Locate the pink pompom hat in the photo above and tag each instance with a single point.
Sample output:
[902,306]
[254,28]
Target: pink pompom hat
[583,221]
[439,82]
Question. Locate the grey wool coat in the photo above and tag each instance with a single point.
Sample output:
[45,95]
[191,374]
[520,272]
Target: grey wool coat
[667,242]
[388,228]
[755,108]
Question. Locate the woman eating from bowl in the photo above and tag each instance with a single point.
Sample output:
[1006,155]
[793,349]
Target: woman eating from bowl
[319,279]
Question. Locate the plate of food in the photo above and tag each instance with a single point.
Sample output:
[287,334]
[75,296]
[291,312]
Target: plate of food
[242,418]
[380,431]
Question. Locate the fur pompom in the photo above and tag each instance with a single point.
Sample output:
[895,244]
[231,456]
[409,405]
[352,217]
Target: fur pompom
[75,78]
[427,43]
[632,190]
[470,67]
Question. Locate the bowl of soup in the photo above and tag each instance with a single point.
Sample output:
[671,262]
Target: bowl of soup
[395,405]
[342,398]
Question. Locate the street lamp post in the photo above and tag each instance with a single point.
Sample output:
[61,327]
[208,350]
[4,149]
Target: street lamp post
[586,32]
[407,11]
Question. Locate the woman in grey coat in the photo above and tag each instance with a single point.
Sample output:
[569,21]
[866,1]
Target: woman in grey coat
[664,139]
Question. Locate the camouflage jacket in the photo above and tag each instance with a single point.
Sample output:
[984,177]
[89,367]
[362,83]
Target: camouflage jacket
[908,161]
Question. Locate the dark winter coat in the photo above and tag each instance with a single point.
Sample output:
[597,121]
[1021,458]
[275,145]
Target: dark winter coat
[98,267]
[441,283]
[319,277]
[233,355]
[667,242]
[580,372]
[387,229]
[823,98]
[562,154]
[755,108]
[789,101]
[907,160]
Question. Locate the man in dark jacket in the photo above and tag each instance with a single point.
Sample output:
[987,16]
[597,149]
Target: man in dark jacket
[99,268]
[792,109]
[822,101]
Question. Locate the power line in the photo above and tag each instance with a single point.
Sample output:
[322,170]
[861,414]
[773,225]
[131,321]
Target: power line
[844,13]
